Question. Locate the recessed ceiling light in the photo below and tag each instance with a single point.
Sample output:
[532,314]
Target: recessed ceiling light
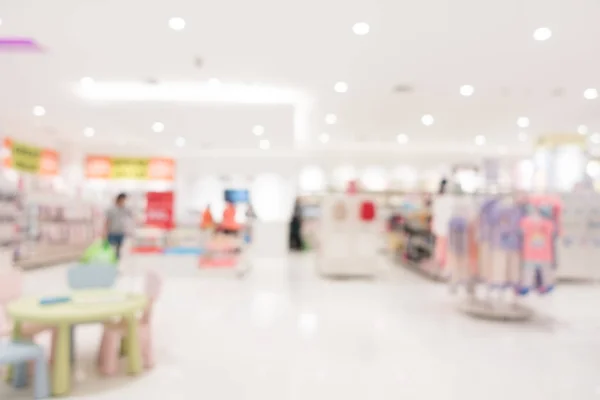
[158,127]
[214,82]
[467,90]
[402,138]
[180,141]
[479,140]
[427,119]
[330,119]
[324,137]
[595,138]
[87,81]
[523,122]
[258,130]
[582,129]
[523,136]
[177,23]
[361,28]
[264,144]
[39,111]
[590,93]
[541,34]
[341,87]
[89,132]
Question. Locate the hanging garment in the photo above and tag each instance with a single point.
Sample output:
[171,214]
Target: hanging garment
[538,253]
[441,249]
[486,229]
[367,211]
[550,207]
[442,213]
[485,223]
[506,244]
[506,271]
[339,211]
[473,250]
[458,250]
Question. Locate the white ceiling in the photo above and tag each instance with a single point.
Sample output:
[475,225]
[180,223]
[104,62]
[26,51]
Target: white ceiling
[434,46]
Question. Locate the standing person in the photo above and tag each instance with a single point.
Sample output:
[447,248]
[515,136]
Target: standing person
[117,219]
[229,224]
[296,228]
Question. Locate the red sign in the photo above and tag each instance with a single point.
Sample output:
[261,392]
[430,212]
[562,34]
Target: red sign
[159,210]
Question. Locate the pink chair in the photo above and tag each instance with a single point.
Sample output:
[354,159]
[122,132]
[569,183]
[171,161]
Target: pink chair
[11,288]
[114,332]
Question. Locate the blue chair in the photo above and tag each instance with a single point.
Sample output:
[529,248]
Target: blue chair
[90,276]
[19,354]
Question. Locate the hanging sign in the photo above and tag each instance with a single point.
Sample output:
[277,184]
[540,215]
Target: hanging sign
[131,168]
[562,139]
[31,159]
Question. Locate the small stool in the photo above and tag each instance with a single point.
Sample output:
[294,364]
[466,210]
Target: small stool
[18,354]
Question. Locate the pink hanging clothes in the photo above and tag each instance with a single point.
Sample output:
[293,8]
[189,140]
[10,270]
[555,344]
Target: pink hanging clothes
[538,254]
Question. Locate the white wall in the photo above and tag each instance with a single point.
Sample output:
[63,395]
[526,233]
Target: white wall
[201,180]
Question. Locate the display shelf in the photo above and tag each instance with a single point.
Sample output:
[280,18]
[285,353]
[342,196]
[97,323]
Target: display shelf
[349,237]
[51,255]
[579,244]
[149,240]
[55,229]
[425,269]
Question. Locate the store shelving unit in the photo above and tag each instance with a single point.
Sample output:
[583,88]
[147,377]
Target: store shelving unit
[55,231]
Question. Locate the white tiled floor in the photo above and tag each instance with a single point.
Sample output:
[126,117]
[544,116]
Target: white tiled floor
[282,333]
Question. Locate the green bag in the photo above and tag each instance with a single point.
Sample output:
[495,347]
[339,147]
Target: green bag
[100,252]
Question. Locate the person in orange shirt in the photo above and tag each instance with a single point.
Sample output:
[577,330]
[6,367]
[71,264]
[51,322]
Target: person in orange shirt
[229,225]
[207,219]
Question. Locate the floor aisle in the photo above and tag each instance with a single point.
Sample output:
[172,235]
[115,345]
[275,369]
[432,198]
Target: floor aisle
[284,334]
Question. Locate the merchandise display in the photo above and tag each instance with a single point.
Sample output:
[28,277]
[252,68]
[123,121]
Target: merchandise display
[411,237]
[349,236]
[57,231]
[579,245]
[299,201]
[225,252]
[149,240]
[9,217]
[185,240]
[502,254]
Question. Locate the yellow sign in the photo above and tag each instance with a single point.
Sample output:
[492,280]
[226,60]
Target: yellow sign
[26,158]
[129,168]
[562,139]
[30,159]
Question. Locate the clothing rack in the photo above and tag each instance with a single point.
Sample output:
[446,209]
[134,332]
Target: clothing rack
[503,253]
